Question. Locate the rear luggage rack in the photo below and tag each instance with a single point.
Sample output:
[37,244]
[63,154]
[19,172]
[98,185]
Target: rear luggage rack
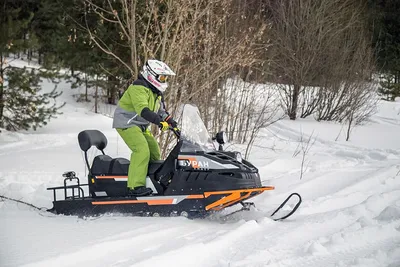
[76,191]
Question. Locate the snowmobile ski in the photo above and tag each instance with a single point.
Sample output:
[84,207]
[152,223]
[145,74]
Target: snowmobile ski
[246,206]
[283,205]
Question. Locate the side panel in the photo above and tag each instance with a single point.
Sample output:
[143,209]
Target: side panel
[164,207]
[196,182]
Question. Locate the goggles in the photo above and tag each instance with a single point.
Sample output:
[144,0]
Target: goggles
[162,78]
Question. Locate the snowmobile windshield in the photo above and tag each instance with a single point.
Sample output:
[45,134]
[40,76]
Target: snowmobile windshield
[193,131]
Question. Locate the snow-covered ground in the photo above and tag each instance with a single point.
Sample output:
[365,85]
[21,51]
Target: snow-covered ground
[350,214]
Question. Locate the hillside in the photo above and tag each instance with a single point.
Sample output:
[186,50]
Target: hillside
[350,215]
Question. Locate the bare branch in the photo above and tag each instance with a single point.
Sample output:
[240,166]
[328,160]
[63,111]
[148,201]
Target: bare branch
[115,13]
[304,147]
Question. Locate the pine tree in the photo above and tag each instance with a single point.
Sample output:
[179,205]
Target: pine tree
[389,88]
[24,105]
[385,25]
[21,104]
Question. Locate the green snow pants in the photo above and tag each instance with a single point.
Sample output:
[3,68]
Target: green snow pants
[144,148]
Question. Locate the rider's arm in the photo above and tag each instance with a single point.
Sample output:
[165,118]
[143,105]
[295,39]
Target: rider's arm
[150,116]
[162,111]
[165,115]
[140,103]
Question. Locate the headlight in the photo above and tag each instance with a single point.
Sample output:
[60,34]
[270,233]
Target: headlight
[238,156]
[221,138]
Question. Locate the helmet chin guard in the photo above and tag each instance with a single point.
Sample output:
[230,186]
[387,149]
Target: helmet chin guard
[156,73]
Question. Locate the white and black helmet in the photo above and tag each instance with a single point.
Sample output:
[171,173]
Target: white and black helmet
[156,72]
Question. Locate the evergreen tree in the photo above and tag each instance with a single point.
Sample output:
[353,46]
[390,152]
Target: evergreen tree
[21,104]
[24,105]
[389,88]
[385,22]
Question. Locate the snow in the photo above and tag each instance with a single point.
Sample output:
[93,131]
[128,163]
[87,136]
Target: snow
[350,215]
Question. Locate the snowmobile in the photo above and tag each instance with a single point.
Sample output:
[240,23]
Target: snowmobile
[195,180]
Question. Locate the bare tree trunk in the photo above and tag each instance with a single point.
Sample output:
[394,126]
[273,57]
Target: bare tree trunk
[165,34]
[349,127]
[86,87]
[40,57]
[295,99]
[96,95]
[1,88]
[244,116]
[111,89]
[134,53]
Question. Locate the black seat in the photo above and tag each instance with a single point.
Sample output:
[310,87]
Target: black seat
[101,165]
[119,166]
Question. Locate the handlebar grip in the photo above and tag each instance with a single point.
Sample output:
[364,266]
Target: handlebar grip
[176,132]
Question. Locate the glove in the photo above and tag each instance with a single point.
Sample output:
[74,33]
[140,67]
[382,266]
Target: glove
[171,122]
[164,126]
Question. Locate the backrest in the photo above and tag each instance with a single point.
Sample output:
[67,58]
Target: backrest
[89,138]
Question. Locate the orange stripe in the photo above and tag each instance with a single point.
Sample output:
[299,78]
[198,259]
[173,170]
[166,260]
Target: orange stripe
[207,194]
[195,196]
[233,197]
[111,177]
[149,202]
[234,201]
[224,200]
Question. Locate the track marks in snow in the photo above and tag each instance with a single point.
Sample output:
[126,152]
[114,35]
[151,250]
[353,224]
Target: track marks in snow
[108,238]
[121,246]
[356,226]
[334,239]
[214,252]
[33,142]
[359,187]
[173,236]
[346,247]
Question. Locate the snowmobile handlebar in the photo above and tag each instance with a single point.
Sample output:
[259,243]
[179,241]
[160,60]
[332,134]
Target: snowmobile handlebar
[176,131]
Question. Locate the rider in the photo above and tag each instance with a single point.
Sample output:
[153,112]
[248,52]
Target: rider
[142,104]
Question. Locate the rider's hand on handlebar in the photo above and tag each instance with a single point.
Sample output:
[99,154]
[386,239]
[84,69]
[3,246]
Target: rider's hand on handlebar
[171,122]
[177,132]
[163,126]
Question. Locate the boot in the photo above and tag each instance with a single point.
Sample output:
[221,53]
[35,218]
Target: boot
[139,191]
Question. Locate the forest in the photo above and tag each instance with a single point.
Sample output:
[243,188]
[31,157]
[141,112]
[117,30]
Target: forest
[327,59]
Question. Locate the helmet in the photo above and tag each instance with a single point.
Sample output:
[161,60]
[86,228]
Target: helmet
[156,73]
